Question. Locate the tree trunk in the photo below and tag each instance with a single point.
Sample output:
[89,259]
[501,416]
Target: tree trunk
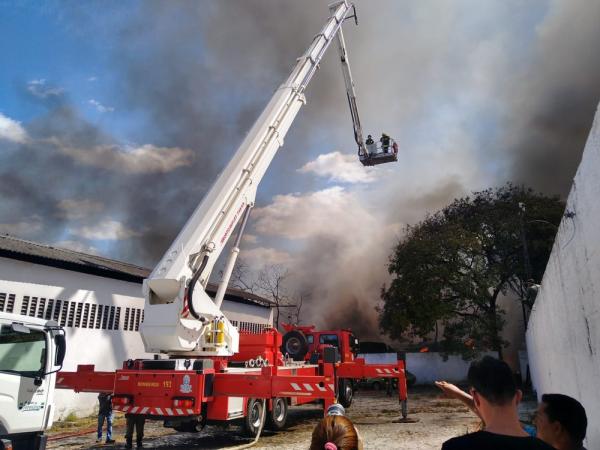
[496,341]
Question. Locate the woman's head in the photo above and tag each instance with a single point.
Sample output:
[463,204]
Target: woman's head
[335,433]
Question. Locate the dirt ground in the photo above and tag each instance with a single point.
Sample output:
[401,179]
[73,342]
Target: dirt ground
[374,414]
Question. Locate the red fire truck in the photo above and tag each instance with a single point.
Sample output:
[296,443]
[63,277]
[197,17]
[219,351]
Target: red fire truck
[204,369]
[188,393]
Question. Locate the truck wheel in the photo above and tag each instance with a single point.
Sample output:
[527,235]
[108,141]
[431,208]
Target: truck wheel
[404,408]
[278,414]
[345,392]
[252,422]
[295,345]
[25,442]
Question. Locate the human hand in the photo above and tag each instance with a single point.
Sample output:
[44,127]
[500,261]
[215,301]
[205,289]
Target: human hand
[451,390]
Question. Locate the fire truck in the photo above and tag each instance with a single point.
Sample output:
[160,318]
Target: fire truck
[204,370]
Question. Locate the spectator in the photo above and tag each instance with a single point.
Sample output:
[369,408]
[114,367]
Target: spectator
[495,398]
[561,422]
[335,432]
[137,422]
[105,412]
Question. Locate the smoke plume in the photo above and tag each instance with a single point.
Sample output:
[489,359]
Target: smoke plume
[475,96]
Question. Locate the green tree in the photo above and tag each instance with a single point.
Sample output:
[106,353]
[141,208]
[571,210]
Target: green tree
[450,268]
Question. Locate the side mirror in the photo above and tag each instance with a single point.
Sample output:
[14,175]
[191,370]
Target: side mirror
[61,349]
[20,328]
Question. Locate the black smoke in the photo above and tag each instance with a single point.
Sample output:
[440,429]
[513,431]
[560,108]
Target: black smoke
[197,74]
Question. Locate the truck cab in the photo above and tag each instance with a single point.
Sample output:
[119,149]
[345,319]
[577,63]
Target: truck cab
[31,352]
[303,342]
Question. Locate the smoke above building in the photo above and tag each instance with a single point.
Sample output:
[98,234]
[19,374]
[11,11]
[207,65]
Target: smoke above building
[476,96]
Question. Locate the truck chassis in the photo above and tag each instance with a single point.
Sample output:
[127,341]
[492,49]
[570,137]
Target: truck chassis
[186,393]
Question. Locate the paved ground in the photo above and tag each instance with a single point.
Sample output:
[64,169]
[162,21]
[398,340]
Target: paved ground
[374,414]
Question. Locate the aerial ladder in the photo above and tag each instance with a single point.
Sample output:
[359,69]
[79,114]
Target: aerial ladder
[196,374]
[180,317]
[370,152]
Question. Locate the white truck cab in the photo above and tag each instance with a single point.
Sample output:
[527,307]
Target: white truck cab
[31,352]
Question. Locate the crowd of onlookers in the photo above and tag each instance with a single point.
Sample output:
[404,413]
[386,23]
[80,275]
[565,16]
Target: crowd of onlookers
[560,421]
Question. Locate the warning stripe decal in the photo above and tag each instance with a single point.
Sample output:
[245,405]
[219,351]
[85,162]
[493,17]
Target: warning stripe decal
[148,410]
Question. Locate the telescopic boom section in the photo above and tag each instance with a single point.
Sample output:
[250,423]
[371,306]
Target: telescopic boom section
[350,93]
[179,316]
[370,153]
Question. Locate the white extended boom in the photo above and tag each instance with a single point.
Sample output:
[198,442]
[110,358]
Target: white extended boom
[179,316]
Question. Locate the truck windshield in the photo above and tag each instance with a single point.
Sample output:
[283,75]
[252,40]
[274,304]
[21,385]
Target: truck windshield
[329,339]
[22,353]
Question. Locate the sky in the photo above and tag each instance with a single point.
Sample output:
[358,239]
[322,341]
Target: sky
[116,117]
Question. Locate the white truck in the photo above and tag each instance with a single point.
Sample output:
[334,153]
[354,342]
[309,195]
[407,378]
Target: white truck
[31,352]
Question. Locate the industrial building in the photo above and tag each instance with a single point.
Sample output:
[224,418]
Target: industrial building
[99,303]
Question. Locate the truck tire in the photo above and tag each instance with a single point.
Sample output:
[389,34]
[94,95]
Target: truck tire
[345,392]
[29,441]
[277,417]
[252,422]
[295,345]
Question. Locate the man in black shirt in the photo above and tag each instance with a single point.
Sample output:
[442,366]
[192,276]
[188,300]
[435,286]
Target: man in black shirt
[496,397]
[561,421]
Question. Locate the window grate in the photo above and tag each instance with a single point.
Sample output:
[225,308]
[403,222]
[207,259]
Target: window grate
[137,319]
[72,307]
[93,316]
[132,319]
[33,306]
[117,323]
[111,318]
[25,305]
[41,308]
[48,315]
[106,317]
[86,315]
[11,303]
[126,319]
[78,315]
[99,317]
[63,316]
[56,315]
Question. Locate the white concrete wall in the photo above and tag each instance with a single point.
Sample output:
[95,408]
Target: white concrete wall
[429,367]
[241,312]
[105,348]
[563,336]
[514,329]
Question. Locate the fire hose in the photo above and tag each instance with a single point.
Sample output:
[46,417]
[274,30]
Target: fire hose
[260,428]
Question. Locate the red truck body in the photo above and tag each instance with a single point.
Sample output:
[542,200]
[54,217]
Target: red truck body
[187,393]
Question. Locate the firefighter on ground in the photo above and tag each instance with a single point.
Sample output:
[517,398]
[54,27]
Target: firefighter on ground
[105,412]
[137,421]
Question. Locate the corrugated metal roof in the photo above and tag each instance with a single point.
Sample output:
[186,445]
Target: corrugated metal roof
[20,249]
[11,245]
